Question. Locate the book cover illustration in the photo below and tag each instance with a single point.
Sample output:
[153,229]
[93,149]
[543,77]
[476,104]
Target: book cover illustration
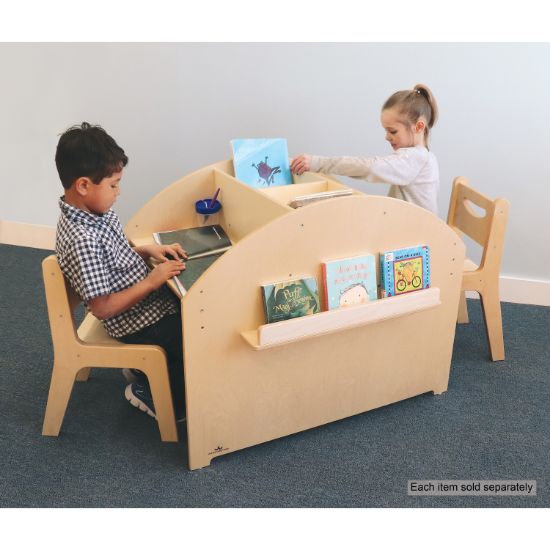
[204,245]
[405,270]
[290,299]
[349,281]
[261,163]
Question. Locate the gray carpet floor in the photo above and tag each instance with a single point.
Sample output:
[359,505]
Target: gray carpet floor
[492,424]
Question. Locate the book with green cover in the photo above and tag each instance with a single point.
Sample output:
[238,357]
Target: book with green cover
[290,299]
[204,245]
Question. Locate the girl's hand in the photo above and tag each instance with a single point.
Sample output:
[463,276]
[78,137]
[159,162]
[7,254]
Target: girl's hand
[160,252]
[300,164]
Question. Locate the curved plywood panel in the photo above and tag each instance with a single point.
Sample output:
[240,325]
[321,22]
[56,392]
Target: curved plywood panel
[237,397]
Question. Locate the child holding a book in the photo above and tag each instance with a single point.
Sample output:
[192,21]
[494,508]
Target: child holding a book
[109,275]
[412,170]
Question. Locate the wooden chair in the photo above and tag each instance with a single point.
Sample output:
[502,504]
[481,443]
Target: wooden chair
[75,352]
[488,231]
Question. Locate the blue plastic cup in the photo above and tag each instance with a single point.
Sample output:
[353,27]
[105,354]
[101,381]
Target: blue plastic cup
[202,207]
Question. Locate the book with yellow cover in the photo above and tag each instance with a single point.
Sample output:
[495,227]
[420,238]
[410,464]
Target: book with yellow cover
[405,270]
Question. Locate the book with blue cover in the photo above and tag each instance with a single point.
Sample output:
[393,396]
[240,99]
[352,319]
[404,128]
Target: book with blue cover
[405,270]
[261,163]
[349,281]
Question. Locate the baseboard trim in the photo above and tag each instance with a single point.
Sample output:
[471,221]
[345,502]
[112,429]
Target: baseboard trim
[26,234]
[521,291]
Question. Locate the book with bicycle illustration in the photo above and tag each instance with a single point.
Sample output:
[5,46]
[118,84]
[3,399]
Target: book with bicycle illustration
[204,245]
[261,162]
[349,281]
[290,299]
[404,270]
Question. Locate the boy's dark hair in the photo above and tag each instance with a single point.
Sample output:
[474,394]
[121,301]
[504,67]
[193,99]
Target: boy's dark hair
[87,151]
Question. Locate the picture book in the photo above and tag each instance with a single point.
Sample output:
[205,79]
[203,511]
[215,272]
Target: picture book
[405,270]
[204,245]
[349,281]
[314,197]
[261,163]
[290,299]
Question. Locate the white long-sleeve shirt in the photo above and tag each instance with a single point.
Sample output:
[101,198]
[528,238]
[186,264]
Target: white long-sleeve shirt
[412,172]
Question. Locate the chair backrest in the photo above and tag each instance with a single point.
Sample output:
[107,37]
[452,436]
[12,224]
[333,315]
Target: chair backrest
[61,300]
[487,229]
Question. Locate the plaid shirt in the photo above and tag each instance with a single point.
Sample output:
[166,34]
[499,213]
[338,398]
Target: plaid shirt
[97,259]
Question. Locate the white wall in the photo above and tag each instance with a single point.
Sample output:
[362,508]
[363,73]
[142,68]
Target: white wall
[174,108]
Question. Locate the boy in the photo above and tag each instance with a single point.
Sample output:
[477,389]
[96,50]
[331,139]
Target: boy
[110,276]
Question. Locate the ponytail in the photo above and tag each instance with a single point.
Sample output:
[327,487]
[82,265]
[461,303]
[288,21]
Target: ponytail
[425,92]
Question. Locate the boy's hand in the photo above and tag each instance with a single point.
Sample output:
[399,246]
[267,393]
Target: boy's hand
[300,164]
[109,305]
[164,271]
[162,252]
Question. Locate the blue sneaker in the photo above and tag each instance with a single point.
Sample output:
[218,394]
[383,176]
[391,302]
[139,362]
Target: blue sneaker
[139,395]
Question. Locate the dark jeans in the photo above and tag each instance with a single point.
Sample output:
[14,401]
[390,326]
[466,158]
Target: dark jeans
[166,333]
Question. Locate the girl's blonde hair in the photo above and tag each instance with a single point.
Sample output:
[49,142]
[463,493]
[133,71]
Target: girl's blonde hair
[413,104]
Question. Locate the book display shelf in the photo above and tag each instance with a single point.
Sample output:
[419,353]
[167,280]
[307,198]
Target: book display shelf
[247,382]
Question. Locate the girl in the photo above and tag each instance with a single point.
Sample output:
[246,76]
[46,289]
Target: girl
[412,171]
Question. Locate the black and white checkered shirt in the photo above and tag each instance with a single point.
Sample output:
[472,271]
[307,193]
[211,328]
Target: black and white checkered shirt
[97,259]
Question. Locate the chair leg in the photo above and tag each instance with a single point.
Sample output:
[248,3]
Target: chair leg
[462,309]
[83,374]
[61,386]
[162,399]
[492,315]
